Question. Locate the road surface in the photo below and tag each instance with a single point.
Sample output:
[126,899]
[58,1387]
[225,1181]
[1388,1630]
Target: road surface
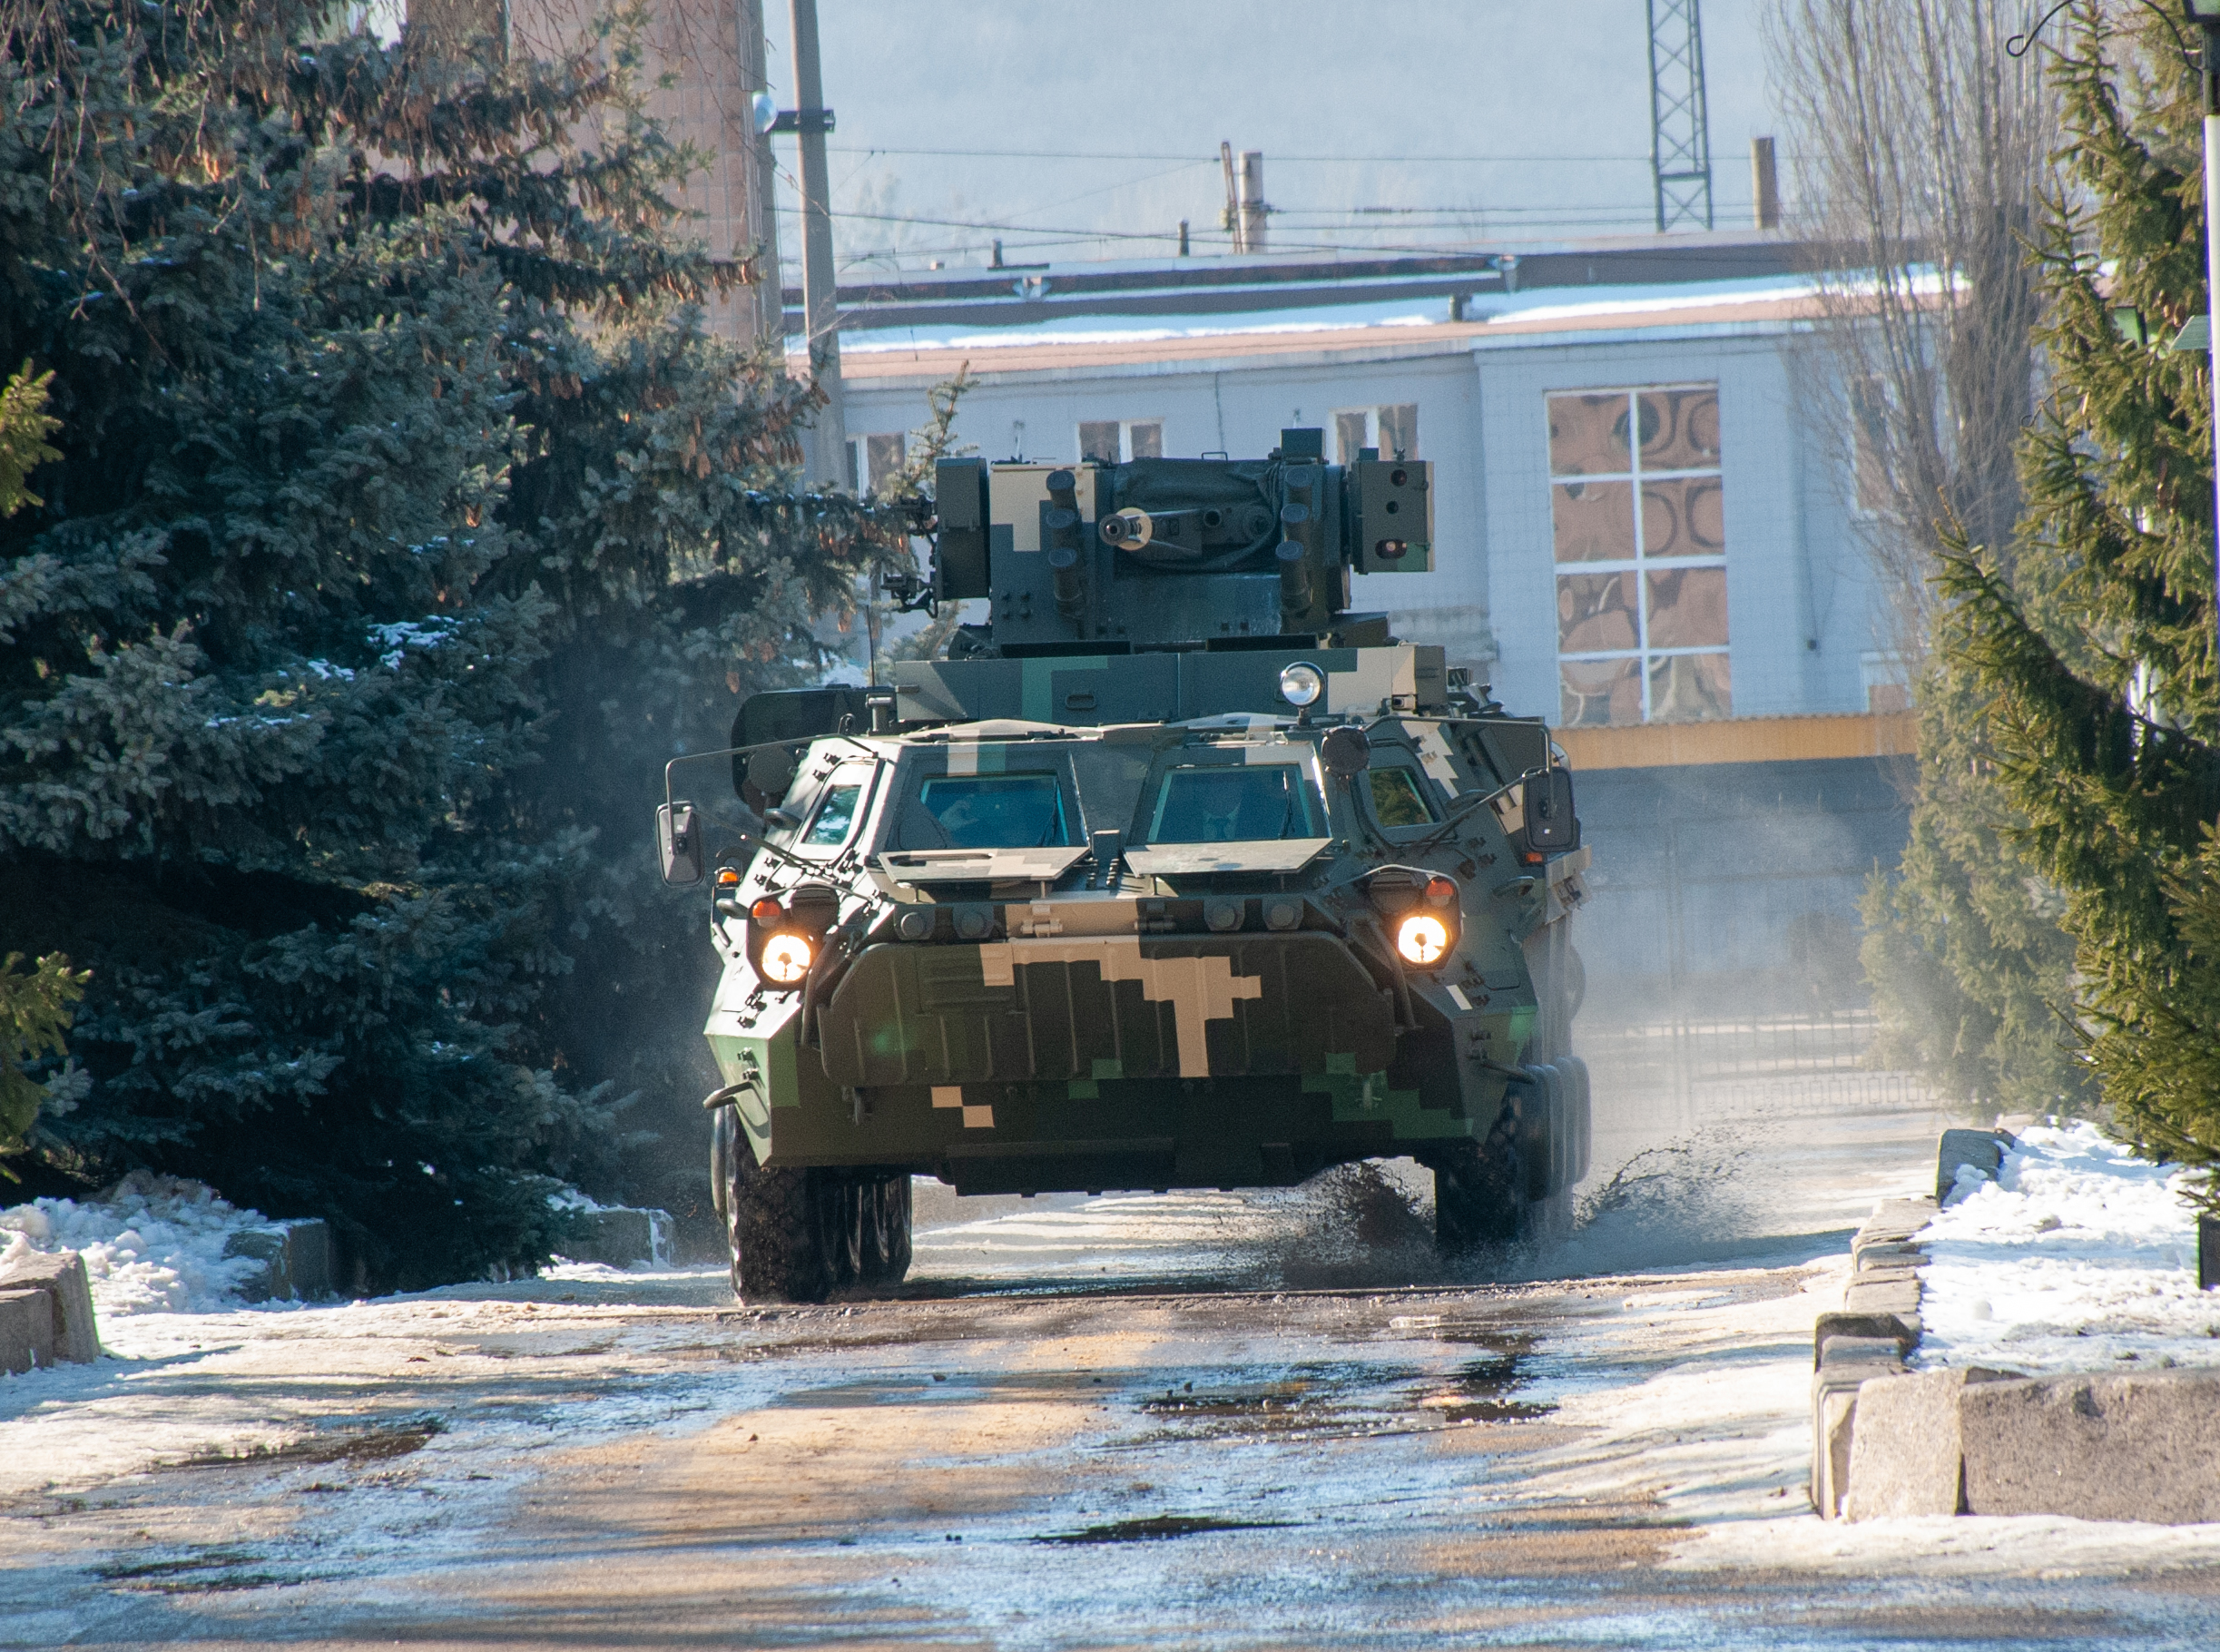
[1213,1420]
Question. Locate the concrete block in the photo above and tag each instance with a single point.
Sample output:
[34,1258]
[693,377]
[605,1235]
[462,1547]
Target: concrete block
[1894,1219]
[1834,1415]
[61,1276]
[26,1330]
[1984,1150]
[1890,1294]
[1905,1456]
[1897,1274]
[1886,1253]
[2096,1447]
[1902,1329]
[1861,1351]
[296,1258]
[622,1236]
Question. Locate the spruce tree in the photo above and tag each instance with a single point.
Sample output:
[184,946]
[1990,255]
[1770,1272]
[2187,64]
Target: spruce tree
[2088,643]
[1971,975]
[407,515]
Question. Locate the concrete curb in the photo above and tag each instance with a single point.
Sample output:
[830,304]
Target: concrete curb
[46,1311]
[1888,1441]
[619,1236]
[1870,1337]
[1873,1334]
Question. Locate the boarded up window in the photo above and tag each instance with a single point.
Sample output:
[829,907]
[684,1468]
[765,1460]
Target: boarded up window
[874,461]
[1115,441]
[1391,431]
[1398,431]
[1639,532]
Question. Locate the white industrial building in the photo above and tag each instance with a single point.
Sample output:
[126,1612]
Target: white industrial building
[1738,590]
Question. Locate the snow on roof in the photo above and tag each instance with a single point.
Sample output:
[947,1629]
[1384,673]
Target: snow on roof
[1401,325]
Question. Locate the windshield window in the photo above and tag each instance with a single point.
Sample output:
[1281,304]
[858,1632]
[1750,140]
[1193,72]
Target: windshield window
[1226,803]
[987,812]
[835,816]
[1398,799]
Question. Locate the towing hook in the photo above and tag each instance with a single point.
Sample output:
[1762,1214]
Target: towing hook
[1520,887]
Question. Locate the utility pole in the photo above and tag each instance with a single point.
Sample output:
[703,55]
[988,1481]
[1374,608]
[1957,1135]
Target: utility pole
[819,296]
[760,174]
[1680,116]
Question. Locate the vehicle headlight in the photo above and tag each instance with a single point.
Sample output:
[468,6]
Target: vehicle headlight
[1422,939]
[786,960]
[1301,683]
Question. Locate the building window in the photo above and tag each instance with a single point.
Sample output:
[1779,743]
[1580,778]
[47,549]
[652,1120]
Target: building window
[1393,431]
[873,461]
[1120,441]
[1639,532]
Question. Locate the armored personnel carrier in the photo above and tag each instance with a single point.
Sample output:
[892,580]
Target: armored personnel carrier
[1175,873]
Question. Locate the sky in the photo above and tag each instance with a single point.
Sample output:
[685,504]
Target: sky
[1088,131]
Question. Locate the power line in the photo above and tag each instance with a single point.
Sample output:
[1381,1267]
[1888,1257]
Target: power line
[1277,158]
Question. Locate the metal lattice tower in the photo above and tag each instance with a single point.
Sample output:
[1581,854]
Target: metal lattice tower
[1680,121]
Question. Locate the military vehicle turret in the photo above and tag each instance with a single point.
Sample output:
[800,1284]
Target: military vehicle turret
[1174,873]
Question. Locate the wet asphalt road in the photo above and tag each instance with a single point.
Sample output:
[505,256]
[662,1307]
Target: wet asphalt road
[1207,1421]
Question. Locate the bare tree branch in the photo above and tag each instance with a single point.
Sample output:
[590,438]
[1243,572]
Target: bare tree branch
[1917,140]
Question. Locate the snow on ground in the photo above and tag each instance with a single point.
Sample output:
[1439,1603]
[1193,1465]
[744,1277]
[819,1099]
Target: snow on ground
[151,1244]
[2080,1256]
[154,1244]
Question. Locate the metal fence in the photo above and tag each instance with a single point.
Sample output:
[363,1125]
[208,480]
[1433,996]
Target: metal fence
[1697,1066]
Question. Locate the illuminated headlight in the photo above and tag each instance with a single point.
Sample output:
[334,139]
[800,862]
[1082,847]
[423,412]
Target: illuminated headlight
[1301,685]
[786,960]
[1422,939]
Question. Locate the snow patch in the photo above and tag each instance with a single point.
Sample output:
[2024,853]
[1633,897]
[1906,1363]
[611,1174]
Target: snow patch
[398,639]
[151,1244]
[2079,1257]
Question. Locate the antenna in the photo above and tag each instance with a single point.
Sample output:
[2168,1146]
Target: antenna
[1680,120]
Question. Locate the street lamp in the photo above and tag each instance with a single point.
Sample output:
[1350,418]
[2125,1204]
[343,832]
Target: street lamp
[2206,15]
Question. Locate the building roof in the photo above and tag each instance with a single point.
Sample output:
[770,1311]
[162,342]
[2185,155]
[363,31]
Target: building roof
[1364,328]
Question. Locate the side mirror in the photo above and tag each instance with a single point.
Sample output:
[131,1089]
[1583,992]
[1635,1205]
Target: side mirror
[678,833]
[1550,822]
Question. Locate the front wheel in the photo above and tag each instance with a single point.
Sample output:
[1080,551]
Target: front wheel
[1479,1193]
[797,1235]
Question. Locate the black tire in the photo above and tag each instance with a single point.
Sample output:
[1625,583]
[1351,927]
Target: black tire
[777,1223]
[1540,1131]
[1479,1193]
[838,1207]
[886,1229]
